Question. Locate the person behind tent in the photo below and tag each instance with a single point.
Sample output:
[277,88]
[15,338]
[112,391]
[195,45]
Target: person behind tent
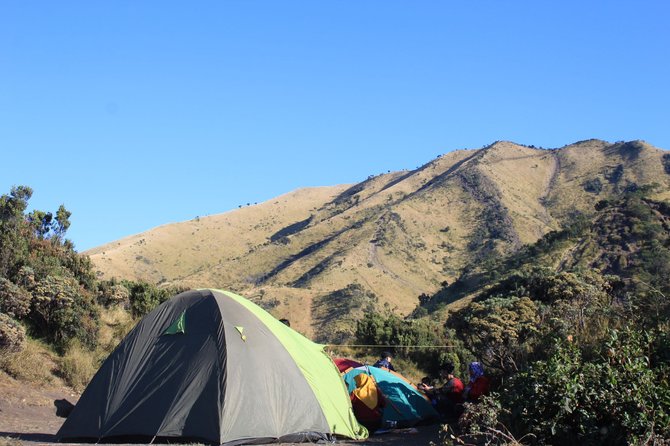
[450,397]
[428,388]
[426,384]
[478,385]
[368,402]
[385,361]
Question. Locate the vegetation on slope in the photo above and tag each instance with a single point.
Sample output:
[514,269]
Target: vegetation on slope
[573,329]
[49,292]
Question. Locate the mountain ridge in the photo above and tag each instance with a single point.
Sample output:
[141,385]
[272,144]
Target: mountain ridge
[395,235]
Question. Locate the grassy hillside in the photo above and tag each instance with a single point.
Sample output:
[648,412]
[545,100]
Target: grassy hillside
[395,236]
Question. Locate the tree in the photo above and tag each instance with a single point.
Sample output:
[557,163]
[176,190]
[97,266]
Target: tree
[13,237]
[13,206]
[62,222]
[500,330]
[46,226]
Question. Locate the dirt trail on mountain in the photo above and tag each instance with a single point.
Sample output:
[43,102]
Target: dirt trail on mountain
[551,184]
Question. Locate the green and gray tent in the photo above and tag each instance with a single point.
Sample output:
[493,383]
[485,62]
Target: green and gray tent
[210,366]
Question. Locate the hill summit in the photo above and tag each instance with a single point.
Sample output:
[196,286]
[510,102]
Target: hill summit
[328,254]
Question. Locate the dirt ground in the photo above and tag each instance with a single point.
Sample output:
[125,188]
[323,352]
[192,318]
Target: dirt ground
[27,411]
[28,416]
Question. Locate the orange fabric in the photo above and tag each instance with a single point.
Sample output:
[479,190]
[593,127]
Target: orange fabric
[366,390]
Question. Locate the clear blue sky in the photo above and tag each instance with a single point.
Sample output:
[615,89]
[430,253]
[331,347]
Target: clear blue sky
[138,113]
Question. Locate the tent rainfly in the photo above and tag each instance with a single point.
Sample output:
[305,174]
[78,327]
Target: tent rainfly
[407,405]
[210,366]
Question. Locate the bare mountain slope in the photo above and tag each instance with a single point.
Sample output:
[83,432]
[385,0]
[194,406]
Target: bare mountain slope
[176,251]
[343,250]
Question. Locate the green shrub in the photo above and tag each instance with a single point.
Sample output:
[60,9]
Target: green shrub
[617,397]
[480,424]
[14,300]
[500,330]
[112,293]
[62,312]
[12,335]
[406,334]
[144,297]
[480,417]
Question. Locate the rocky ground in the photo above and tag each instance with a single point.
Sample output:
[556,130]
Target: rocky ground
[28,416]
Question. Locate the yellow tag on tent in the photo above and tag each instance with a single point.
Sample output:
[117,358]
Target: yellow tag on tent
[242,335]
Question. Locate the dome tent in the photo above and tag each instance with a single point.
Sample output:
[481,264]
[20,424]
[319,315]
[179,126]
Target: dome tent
[210,366]
[407,405]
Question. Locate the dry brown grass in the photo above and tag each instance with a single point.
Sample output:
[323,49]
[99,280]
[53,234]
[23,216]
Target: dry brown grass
[35,363]
[115,323]
[38,364]
[77,366]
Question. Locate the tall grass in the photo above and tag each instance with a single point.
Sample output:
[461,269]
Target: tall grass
[77,366]
[35,363]
[115,323]
[38,363]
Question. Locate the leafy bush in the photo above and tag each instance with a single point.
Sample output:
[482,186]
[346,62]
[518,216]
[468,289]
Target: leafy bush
[112,293]
[593,185]
[480,417]
[480,425]
[617,397]
[61,312]
[40,270]
[13,241]
[501,330]
[14,300]
[144,297]
[405,334]
[12,335]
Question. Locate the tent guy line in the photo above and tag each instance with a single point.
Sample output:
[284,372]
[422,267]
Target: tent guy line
[389,345]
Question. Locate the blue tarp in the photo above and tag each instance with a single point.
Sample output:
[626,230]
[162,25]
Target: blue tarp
[405,403]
